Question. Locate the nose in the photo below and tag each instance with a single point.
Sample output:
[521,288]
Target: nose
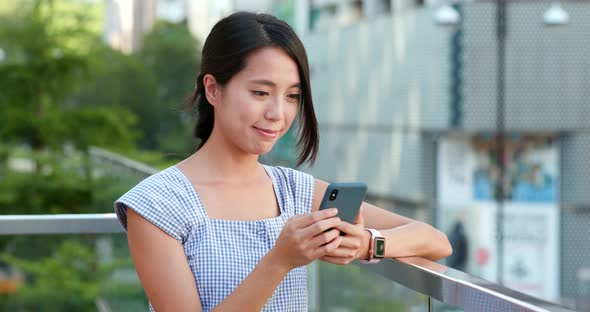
[275,109]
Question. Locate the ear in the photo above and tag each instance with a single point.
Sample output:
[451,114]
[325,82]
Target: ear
[212,89]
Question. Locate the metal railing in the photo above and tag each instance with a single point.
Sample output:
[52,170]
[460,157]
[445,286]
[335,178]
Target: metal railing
[438,282]
[120,162]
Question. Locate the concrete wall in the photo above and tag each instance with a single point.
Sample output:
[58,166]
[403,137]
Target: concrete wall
[378,86]
[547,68]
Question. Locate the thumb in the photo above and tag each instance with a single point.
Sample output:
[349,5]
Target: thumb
[359,218]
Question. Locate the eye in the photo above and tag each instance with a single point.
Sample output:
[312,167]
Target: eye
[294,97]
[259,93]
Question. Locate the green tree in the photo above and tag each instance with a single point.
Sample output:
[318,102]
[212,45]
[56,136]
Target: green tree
[39,72]
[42,124]
[173,55]
[153,83]
[68,279]
[121,82]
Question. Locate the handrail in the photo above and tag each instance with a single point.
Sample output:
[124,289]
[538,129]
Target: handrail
[121,161]
[457,288]
[59,224]
[442,283]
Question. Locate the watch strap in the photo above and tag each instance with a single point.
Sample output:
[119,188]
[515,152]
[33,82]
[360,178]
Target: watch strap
[374,234]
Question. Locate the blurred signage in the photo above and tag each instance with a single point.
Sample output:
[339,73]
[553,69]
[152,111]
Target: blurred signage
[467,183]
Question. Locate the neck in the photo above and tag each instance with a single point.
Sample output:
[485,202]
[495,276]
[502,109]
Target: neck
[218,160]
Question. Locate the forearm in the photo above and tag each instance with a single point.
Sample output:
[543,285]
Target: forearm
[257,288]
[416,239]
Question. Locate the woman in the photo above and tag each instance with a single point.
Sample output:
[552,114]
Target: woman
[219,231]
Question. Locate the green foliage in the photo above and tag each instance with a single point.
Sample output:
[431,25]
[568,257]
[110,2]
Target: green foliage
[171,52]
[70,270]
[69,279]
[173,55]
[39,74]
[24,193]
[58,96]
[120,82]
[153,84]
[45,165]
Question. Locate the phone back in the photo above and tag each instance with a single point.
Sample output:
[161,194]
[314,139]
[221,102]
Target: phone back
[347,197]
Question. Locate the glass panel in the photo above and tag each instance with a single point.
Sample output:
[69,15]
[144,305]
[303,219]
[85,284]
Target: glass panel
[438,306]
[68,273]
[349,288]
[525,207]
[479,128]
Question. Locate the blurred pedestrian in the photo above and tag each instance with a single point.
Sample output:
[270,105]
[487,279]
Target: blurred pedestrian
[460,244]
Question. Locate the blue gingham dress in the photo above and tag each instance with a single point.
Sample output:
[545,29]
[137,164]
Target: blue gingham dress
[221,253]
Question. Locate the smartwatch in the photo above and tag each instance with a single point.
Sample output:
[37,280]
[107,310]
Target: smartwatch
[376,247]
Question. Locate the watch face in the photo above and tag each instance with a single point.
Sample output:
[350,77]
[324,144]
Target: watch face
[379,247]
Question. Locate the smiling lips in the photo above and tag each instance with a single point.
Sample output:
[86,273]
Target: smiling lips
[270,134]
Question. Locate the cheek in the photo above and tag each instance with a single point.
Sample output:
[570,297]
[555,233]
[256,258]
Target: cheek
[239,111]
[249,113]
[291,114]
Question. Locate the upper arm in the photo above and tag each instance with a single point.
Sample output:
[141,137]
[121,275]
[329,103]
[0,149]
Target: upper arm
[162,267]
[375,217]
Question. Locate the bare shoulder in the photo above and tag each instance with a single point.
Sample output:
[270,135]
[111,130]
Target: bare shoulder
[154,252]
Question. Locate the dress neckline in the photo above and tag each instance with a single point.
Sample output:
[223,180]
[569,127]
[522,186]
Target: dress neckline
[195,194]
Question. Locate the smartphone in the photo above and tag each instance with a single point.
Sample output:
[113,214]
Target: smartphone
[347,197]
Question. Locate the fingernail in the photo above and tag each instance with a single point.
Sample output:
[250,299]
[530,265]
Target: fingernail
[334,210]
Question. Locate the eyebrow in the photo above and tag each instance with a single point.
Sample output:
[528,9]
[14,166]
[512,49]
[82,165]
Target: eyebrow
[272,84]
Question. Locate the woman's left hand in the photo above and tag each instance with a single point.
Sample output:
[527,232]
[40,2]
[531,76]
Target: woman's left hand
[354,245]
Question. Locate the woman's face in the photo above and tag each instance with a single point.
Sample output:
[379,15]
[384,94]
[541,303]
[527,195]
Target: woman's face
[258,105]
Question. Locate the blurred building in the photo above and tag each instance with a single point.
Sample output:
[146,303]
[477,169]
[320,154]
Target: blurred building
[203,14]
[126,21]
[407,106]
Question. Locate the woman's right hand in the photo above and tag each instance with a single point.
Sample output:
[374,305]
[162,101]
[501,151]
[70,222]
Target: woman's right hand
[307,237]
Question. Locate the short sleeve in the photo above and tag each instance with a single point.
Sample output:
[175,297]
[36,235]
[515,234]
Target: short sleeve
[301,187]
[153,200]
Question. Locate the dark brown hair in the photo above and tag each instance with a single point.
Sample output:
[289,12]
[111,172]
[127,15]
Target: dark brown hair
[225,51]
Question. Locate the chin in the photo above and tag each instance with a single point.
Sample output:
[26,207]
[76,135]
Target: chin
[262,149]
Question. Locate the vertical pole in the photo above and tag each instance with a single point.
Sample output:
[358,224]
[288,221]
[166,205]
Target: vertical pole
[501,137]
[456,97]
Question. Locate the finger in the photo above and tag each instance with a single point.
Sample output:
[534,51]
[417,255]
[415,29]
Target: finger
[335,260]
[349,228]
[325,249]
[308,219]
[320,226]
[324,238]
[350,242]
[342,253]
[359,218]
